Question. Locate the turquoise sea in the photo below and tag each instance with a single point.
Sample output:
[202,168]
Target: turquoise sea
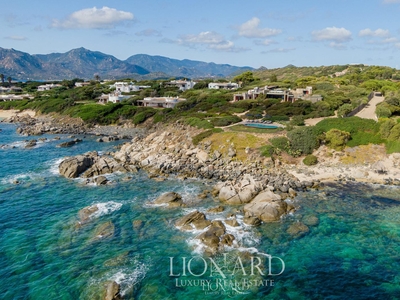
[351,249]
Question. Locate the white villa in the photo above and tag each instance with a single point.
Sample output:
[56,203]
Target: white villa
[183,85]
[115,97]
[223,85]
[160,102]
[47,87]
[13,97]
[124,87]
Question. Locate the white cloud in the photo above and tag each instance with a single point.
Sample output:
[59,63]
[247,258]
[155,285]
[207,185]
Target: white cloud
[397,45]
[334,34]
[95,18]
[148,32]
[280,50]
[206,37]
[250,29]
[16,38]
[265,42]
[209,39]
[391,40]
[375,33]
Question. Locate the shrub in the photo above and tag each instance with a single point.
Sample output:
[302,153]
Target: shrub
[199,123]
[385,128]
[303,140]
[267,150]
[281,143]
[394,133]
[337,139]
[344,110]
[225,121]
[310,160]
[297,121]
[201,136]
[383,111]
[142,116]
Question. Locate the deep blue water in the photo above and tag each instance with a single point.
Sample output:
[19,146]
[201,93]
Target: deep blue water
[351,252]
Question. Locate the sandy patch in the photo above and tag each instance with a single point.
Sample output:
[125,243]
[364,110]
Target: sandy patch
[12,112]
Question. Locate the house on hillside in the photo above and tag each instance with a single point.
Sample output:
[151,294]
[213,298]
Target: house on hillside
[13,97]
[47,87]
[115,97]
[274,92]
[124,87]
[160,102]
[183,85]
[81,84]
[223,85]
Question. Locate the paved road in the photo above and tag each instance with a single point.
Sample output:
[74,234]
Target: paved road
[368,112]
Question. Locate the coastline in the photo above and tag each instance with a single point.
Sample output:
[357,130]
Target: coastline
[4,114]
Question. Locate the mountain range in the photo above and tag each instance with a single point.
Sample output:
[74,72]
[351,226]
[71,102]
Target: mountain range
[85,64]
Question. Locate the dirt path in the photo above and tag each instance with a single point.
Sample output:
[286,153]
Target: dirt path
[368,112]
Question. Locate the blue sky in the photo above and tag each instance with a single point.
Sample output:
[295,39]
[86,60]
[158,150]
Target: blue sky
[243,33]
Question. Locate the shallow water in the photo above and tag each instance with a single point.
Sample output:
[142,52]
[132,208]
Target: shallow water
[351,249]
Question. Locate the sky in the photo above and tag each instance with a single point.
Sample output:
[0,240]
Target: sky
[251,33]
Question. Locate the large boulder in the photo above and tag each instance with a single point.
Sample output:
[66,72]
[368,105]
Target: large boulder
[103,165]
[215,238]
[170,199]
[72,167]
[240,193]
[193,220]
[266,206]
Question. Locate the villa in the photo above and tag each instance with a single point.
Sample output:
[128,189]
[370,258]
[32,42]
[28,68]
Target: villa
[223,85]
[160,102]
[183,85]
[47,87]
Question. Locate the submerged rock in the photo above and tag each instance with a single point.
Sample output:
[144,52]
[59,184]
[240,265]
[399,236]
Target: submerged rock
[104,231]
[112,291]
[297,229]
[86,213]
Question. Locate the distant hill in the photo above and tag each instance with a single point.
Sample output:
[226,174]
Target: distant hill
[184,68]
[83,63]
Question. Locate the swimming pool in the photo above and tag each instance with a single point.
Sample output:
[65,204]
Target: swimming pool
[259,125]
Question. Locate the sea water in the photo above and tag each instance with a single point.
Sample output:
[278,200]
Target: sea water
[350,249]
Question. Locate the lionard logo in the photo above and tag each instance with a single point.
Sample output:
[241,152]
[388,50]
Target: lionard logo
[225,276]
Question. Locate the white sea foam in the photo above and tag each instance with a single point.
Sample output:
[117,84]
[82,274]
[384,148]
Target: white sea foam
[54,163]
[13,178]
[127,278]
[106,208]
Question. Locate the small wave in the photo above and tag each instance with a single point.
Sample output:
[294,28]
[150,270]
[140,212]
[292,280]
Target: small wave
[53,164]
[14,178]
[128,278]
[106,208]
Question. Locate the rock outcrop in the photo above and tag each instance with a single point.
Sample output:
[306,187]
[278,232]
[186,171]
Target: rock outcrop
[266,206]
[72,167]
[170,199]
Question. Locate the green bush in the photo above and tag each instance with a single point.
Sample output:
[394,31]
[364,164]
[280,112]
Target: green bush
[344,110]
[394,133]
[385,128]
[392,147]
[201,136]
[297,121]
[310,160]
[383,111]
[267,150]
[225,121]
[303,140]
[199,123]
[337,139]
[142,116]
[281,143]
